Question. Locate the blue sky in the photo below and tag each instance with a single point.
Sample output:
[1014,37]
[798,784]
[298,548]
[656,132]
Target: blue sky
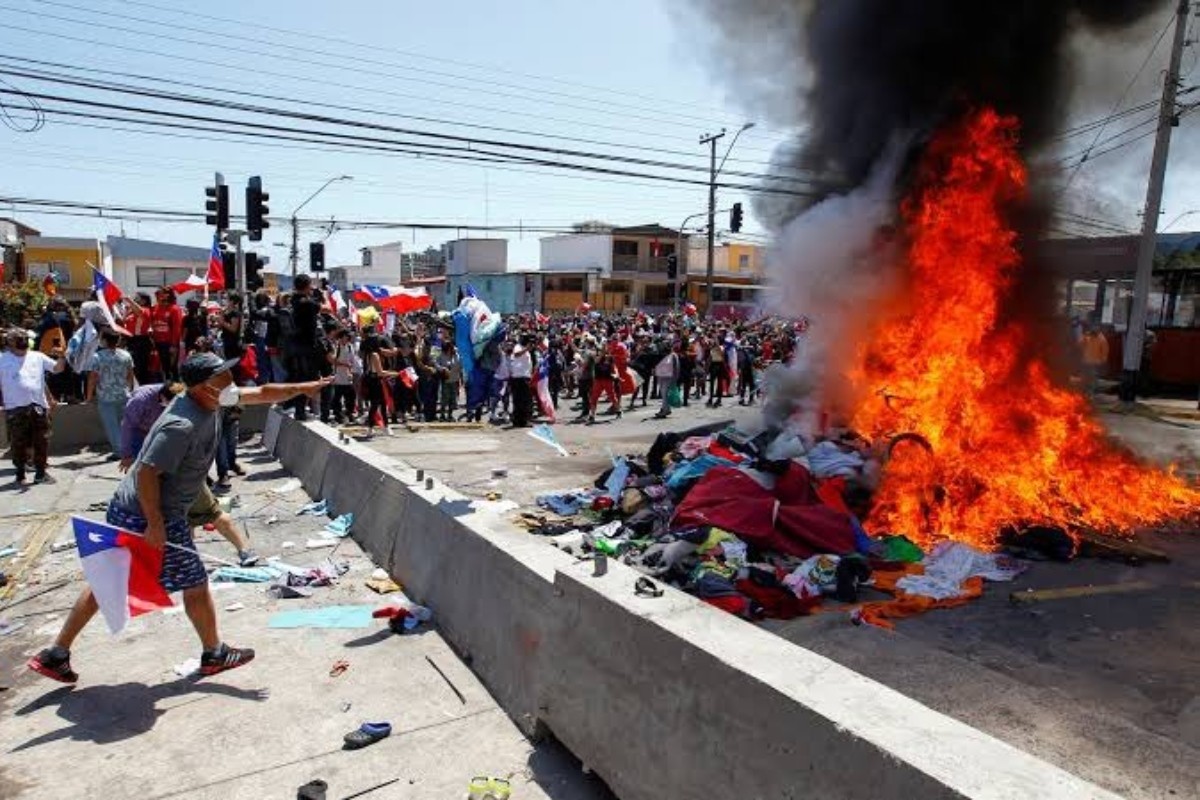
[631,75]
[623,72]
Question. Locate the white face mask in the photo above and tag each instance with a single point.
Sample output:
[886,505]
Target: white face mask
[230,396]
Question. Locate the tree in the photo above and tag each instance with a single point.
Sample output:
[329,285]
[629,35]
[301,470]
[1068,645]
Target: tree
[21,303]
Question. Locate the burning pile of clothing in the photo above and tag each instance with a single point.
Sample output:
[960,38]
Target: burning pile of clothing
[765,526]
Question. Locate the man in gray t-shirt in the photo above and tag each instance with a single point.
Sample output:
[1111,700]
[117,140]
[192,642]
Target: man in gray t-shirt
[181,447]
[154,498]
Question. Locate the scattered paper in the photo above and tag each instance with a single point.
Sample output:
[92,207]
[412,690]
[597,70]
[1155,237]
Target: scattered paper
[235,606]
[7,627]
[317,544]
[290,485]
[380,574]
[5,552]
[287,545]
[187,668]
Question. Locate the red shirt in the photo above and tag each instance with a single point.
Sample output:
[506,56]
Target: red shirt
[138,324]
[166,324]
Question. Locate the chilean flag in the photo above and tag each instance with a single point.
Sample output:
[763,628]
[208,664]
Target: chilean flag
[336,301]
[108,294]
[400,299]
[216,269]
[121,569]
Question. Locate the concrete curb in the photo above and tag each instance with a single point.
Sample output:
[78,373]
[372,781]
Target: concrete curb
[663,697]
[75,427]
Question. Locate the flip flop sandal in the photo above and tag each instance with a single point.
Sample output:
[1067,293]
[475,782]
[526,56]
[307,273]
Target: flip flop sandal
[647,588]
[367,734]
[339,666]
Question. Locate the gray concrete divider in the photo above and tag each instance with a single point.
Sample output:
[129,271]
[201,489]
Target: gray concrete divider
[74,427]
[662,697]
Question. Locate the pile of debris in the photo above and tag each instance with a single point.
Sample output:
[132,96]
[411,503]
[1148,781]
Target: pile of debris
[767,526]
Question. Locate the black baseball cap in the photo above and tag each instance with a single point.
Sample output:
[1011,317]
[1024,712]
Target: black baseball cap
[199,367]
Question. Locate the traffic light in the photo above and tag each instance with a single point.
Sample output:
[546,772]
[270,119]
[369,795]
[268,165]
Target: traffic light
[735,217]
[229,267]
[254,279]
[217,206]
[672,267]
[316,256]
[256,209]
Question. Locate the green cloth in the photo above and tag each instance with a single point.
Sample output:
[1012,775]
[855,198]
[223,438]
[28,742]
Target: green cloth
[899,548]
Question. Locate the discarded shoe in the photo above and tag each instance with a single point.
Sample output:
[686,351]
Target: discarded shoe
[367,734]
[317,508]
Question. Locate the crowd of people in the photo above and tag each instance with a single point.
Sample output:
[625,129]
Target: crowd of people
[386,369]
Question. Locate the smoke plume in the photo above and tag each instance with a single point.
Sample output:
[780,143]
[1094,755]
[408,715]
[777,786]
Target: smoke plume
[851,74]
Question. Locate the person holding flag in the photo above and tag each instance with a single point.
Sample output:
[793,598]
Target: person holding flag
[150,507]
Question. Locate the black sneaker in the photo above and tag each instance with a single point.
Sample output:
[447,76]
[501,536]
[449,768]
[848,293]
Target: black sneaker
[247,558]
[224,658]
[54,667]
[42,477]
[20,476]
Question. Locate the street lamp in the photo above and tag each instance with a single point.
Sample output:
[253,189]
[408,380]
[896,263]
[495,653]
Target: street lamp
[713,171]
[295,254]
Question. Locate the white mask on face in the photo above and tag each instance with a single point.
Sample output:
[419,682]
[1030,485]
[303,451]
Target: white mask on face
[230,396]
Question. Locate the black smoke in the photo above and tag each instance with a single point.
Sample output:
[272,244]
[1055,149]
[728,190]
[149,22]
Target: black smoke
[854,74]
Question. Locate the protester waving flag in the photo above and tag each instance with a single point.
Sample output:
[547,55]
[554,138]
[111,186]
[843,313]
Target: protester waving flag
[122,571]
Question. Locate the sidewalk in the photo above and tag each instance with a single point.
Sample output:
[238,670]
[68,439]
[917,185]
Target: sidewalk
[132,727]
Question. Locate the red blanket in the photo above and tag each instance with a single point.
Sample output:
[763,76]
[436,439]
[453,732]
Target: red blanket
[791,519]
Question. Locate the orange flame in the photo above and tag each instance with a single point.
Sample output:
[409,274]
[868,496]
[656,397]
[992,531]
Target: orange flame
[1008,445]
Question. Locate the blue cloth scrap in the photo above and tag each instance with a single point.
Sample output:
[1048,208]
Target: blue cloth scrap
[695,469]
[327,617]
[245,574]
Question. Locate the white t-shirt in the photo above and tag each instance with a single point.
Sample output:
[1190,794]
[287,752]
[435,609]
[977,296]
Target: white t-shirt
[23,379]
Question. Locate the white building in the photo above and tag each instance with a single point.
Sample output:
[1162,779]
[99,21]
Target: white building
[476,256]
[578,252]
[382,265]
[139,265]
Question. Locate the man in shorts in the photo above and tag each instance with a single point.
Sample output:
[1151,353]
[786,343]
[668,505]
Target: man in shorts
[154,498]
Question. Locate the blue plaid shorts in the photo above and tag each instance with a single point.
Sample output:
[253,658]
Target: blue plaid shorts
[181,569]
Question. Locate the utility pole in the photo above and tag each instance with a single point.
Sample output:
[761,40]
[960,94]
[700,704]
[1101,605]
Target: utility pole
[295,254]
[1135,334]
[711,141]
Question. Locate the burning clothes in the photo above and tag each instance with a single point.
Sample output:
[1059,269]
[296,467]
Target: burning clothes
[761,537]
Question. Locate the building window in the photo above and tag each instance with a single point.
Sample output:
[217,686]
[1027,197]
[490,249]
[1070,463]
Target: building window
[625,247]
[450,251]
[744,261]
[154,277]
[656,295]
[38,271]
[556,283]
[487,284]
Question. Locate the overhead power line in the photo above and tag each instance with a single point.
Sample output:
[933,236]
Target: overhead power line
[211,102]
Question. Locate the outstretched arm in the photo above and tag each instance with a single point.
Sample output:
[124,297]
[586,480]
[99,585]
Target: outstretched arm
[278,392]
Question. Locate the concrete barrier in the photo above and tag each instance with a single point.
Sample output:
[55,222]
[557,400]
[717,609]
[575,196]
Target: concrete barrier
[662,697]
[75,427]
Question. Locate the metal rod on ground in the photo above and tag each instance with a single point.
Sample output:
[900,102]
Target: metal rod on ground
[449,683]
[1135,334]
[373,788]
